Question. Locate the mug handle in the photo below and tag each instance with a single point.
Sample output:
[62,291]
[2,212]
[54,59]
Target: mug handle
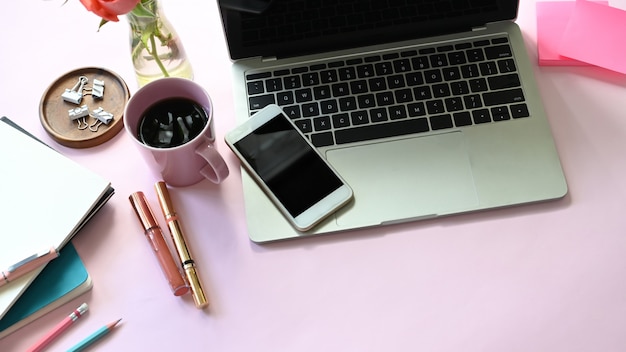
[216,170]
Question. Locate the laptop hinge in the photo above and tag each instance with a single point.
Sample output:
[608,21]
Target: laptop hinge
[269,58]
[481,28]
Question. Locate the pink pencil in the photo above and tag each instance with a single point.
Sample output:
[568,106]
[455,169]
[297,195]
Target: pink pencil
[59,328]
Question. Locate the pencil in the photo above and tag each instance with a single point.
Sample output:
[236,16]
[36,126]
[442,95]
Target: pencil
[94,337]
[59,328]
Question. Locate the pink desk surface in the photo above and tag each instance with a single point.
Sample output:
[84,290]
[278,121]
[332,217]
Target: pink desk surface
[543,277]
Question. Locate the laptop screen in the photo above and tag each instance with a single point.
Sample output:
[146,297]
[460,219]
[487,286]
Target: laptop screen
[284,28]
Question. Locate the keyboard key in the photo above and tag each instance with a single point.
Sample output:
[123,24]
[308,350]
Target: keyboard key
[500,113]
[255,87]
[438,60]
[440,122]
[378,115]
[498,52]
[341,120]
[433,76]
[504,81]
[384,98]
[451,73]
[470,71]
[321,123]
[322,139]
[441,90]
[261,101]
[281,73]
[321,92]
[454,104]
[304,125]
[310,79]
[472,101]
[255,76]
[462,119]
[383,68]
[365,71]
[377,84]
[420,63]
[475,55]
[422,93]
[358,87]
[329,76]
[285,98]
[292,82]
[273,84]
[414,79]
[293,112]
[383,130]
[402,65]
[395,81]
[403,95]
[340,89]
[359,117]
[519,110]
[303,95]
[397,112]
[347,73]
[478,85]
[459,88]
[435,107]
[457,58]
[416,109]
[481,116]
[507,65]
[503,97]
[310,109]
[488,68]
[329,106]
[347,104]
[366,101]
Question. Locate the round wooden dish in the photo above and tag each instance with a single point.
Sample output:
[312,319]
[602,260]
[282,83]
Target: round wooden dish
[54,111]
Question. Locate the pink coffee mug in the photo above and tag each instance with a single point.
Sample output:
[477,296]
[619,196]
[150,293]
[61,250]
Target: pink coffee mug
[190,162]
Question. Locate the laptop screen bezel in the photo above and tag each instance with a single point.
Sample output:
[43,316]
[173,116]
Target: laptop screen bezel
[232,25]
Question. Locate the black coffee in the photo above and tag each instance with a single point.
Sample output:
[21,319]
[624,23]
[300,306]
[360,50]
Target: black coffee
[172,122]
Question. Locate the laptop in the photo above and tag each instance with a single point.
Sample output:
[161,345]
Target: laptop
[427,108]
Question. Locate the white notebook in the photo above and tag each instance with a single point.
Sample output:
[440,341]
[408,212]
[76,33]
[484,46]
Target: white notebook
[45,198]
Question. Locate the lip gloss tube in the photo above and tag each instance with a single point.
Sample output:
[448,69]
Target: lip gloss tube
[155,237]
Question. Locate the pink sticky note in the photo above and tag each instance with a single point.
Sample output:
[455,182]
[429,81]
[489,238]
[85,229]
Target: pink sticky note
[552,19]
[595,34]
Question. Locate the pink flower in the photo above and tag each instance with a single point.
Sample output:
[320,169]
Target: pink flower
[110,9]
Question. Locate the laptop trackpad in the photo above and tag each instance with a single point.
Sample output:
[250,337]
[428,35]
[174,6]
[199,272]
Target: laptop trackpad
[406,179]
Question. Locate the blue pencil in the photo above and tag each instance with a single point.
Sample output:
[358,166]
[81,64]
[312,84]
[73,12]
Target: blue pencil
[94,337]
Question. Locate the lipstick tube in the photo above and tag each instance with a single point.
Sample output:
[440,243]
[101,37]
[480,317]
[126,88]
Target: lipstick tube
[154,235]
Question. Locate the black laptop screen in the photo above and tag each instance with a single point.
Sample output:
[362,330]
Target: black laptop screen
[284,28]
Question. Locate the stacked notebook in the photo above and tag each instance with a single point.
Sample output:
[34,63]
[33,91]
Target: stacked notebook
[62,280]
[48,199]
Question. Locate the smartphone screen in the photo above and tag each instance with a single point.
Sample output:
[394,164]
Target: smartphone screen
[288,165]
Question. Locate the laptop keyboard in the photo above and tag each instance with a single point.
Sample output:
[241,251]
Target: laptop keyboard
[395,93]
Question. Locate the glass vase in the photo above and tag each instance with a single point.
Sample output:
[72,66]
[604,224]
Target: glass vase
[156,49]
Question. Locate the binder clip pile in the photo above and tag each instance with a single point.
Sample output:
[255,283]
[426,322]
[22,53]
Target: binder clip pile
[80,114]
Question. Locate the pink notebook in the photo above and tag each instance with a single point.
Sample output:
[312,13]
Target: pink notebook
[552,19]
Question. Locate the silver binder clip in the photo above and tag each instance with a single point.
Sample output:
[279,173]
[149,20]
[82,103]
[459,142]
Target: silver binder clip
[97,90]
[79,114]
[75,95]
[102,117]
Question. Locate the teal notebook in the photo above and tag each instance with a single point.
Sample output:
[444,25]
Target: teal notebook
[62,280]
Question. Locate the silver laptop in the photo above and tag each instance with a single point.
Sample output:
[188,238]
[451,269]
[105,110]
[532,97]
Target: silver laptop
[426,108]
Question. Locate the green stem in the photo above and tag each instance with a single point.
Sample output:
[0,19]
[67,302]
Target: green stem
[155,55]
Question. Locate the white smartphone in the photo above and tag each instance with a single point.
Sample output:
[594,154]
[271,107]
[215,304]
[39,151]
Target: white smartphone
[288,168]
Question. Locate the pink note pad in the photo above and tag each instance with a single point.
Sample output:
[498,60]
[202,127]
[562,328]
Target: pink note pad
[595,34]
[552,18]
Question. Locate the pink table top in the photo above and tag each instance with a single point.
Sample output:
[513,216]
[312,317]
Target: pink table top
[542,277]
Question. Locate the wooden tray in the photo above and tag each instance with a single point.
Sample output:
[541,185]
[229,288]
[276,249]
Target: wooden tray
[54,111]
